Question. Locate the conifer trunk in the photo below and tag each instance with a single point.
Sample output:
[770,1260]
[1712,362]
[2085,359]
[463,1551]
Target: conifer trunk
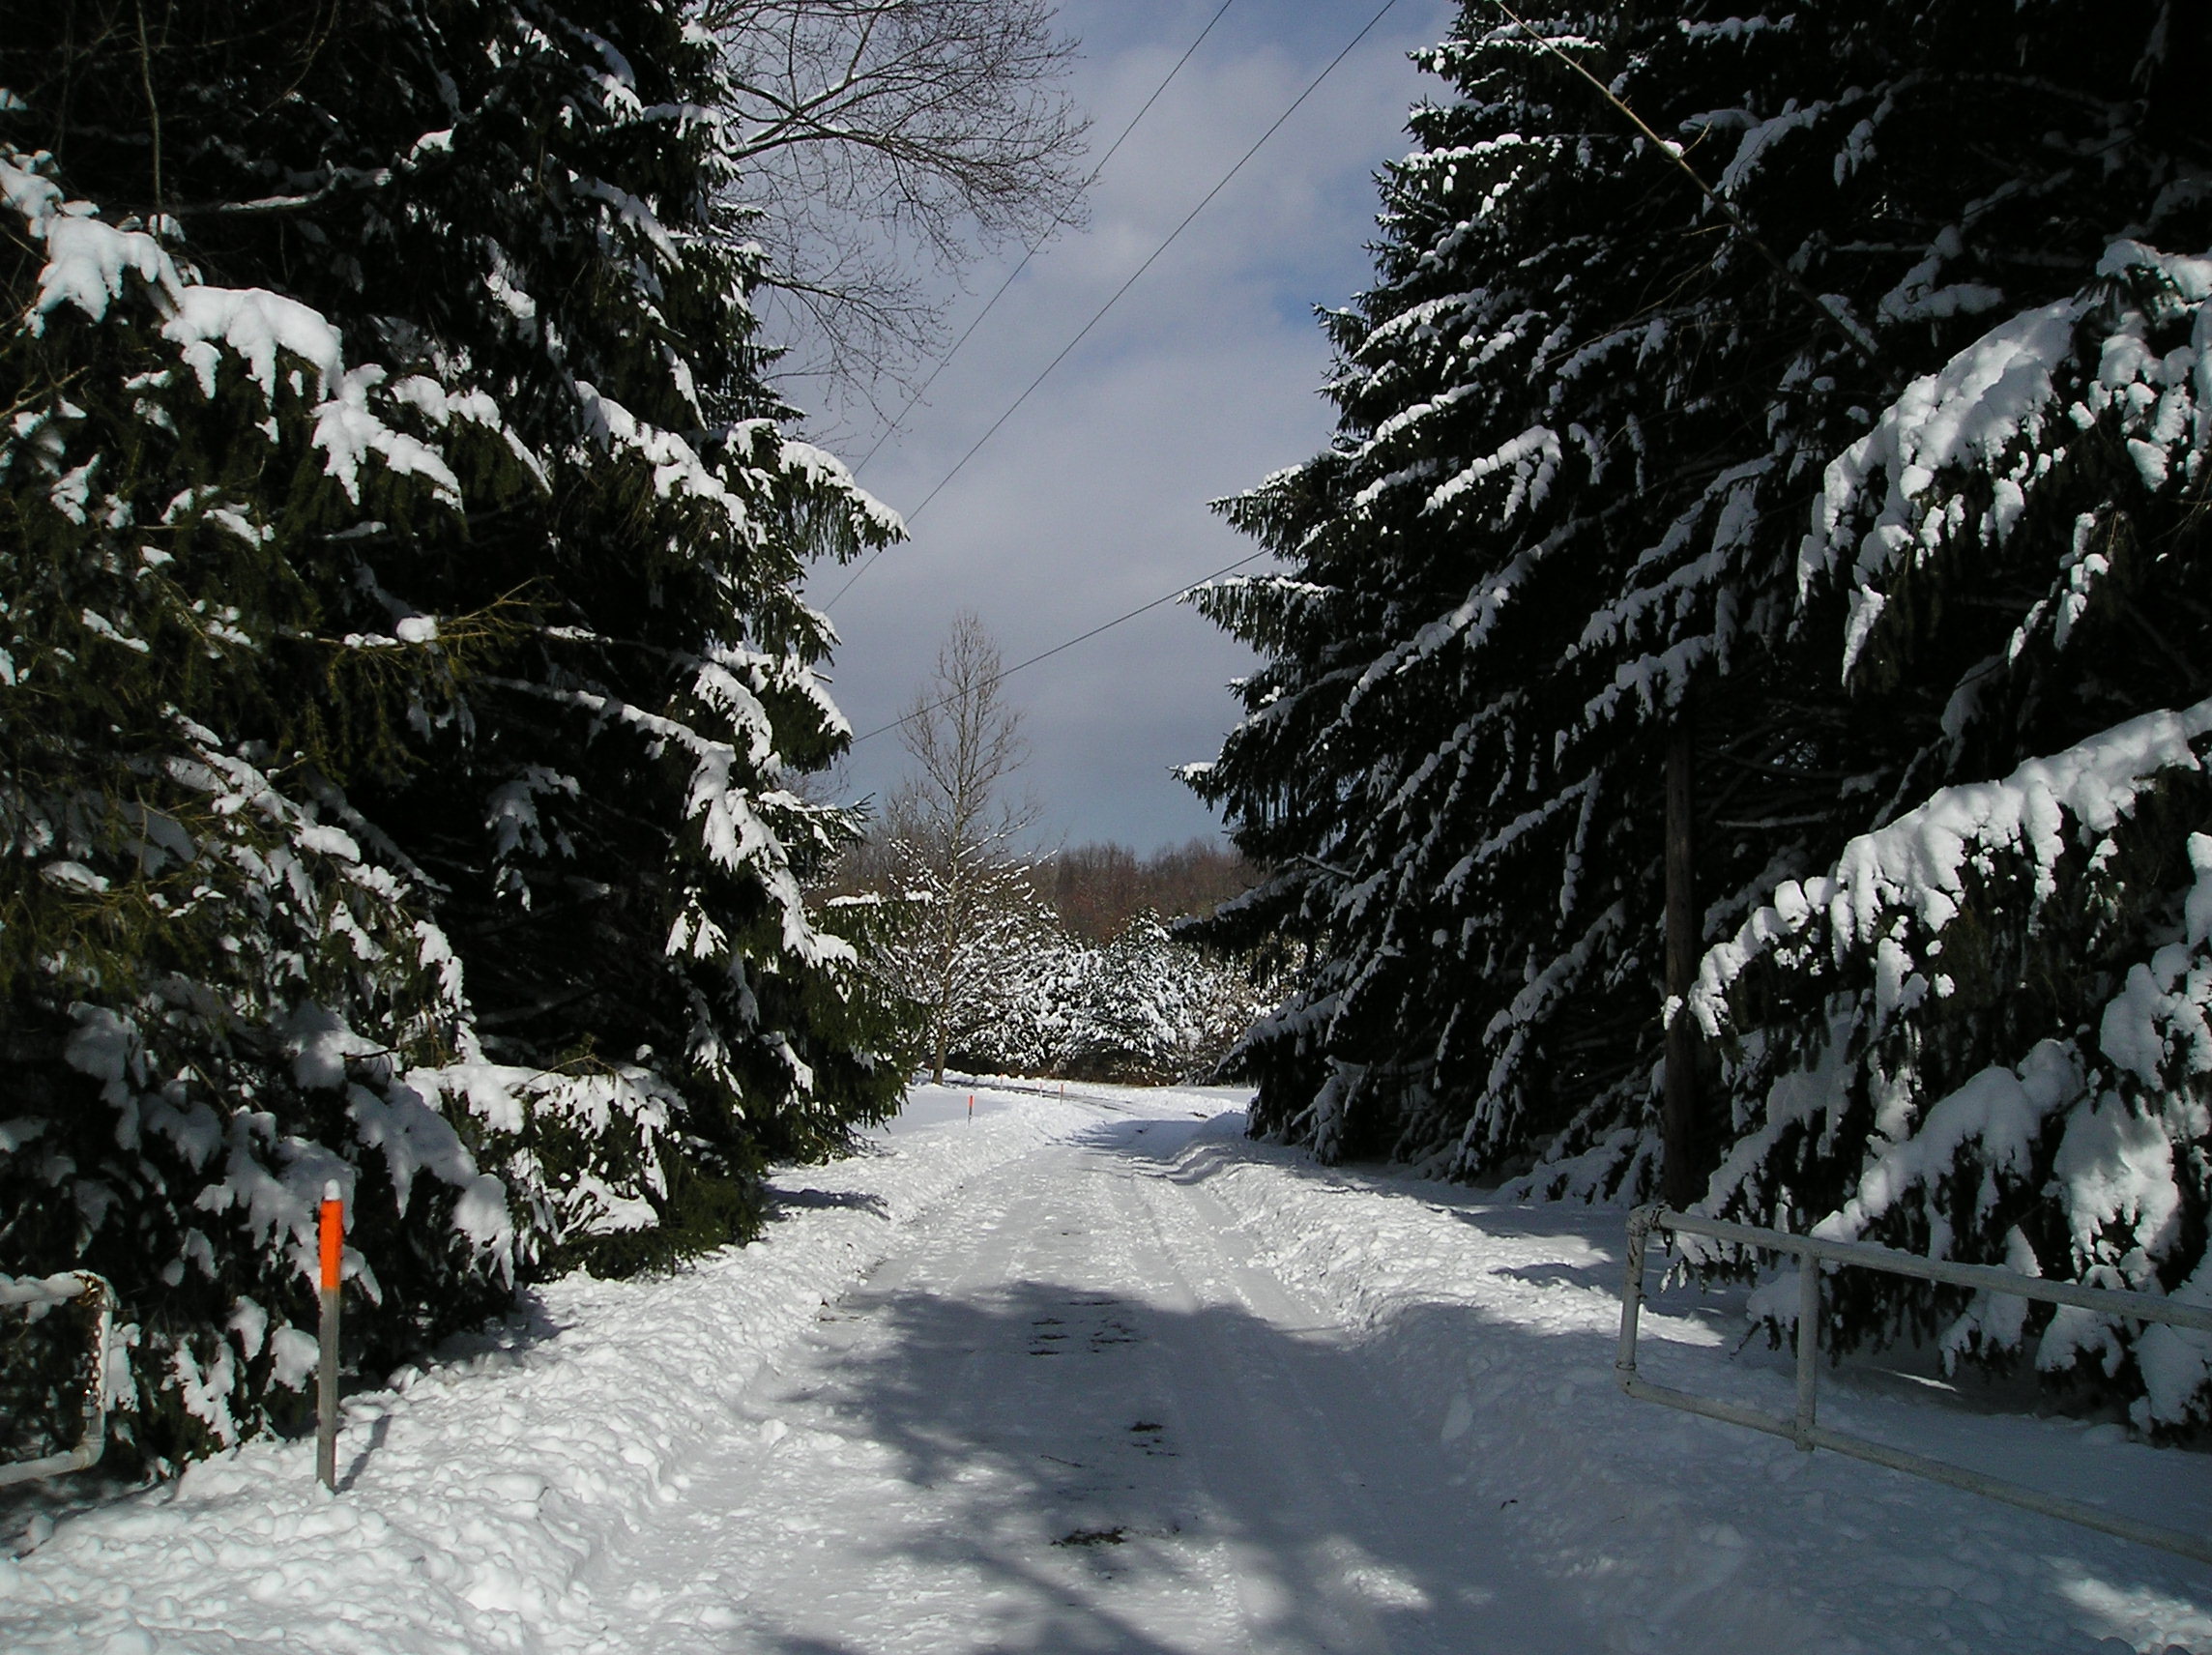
[1679,1124]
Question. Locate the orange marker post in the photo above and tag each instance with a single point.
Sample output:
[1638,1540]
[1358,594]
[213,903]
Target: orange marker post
[333,1239]
[971,1106]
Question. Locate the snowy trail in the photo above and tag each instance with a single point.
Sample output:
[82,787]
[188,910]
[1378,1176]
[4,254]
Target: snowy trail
[1100,1375]
[1067,1418]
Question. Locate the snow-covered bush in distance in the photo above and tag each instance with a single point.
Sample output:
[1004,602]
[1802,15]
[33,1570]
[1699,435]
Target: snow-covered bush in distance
[1067,969]
[1023,1024]
[1146,1007]
[1158,1009]
[1982,1035]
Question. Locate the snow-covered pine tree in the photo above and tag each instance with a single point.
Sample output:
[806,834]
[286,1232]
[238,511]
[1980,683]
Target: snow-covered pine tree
[973,950]
[1582,415]
[1020,1024]
[608,813]
[1458,796]
[564,676]
[1152,1008]
[213,980]
[1983,1033]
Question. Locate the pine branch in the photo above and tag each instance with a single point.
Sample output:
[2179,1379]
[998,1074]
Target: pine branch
[1853,335]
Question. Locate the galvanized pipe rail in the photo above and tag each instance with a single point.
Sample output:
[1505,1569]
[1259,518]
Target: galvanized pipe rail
[1804,1429]
[94,1441]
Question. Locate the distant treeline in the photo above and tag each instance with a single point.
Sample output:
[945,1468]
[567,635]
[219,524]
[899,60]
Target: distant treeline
[1098,889]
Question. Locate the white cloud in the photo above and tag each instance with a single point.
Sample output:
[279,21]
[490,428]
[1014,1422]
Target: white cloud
[1092,498]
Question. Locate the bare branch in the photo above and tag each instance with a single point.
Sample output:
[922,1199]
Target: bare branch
[885,142]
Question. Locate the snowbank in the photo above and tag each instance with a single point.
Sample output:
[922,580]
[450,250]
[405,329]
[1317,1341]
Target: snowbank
[475,1493]
[485,1493]
[1498,1322]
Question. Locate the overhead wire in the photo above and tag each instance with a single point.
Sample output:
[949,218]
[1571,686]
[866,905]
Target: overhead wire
[1033,248]
[1069,644]
[1099,314]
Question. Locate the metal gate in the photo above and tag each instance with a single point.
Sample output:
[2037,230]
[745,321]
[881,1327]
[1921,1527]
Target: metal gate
[33,1292]
[1804,1428]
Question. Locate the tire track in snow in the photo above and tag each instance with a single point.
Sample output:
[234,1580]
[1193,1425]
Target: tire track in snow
[480,1494]
[1392,1553]
[1067,1417]
[948,1462]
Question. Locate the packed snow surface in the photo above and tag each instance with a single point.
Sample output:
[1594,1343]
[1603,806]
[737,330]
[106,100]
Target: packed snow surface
[1096,1373]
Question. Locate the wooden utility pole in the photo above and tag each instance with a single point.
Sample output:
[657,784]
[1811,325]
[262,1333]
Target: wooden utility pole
[1678,1186]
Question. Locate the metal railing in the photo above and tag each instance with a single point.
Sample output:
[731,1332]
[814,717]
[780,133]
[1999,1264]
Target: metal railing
[50,1291]
[1804,1428]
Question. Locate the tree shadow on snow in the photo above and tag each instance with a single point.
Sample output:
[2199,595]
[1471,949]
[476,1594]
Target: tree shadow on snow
[1530,1362]
[1054,1468]
[778,1202]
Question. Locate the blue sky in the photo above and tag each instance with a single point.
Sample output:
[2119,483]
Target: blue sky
[1093,497]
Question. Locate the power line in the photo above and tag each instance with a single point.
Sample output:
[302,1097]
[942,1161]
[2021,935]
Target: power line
[1069,644]
[1030,251]
[1099,314]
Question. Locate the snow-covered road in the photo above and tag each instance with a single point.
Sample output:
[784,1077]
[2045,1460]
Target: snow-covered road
[1073,1415]
[1093,1375]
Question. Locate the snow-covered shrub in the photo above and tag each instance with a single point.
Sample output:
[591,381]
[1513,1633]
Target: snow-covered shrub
[1024,1024]
[964,944]
[48,1338]
[1153,1008]
[1146,1007]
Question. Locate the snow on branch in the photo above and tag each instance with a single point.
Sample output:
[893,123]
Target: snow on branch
[1960,459]
[734,837]
[1918,864]
[1874,1113]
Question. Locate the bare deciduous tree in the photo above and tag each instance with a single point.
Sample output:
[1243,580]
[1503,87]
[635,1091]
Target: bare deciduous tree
[954,836]
[874,130]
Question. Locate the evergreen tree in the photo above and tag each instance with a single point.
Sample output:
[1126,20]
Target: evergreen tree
[1924,292]
[408,674]
[1022,1022]
[1581,418]
[1153,1008]
[199,936]
[1982,1034]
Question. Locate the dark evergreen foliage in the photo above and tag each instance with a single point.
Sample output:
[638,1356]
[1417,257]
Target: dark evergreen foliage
[407,674]
[1872,457]
[1983,1034]
[1583,420]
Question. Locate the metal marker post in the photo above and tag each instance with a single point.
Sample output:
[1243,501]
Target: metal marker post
[1808,1352]
[333,1239]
